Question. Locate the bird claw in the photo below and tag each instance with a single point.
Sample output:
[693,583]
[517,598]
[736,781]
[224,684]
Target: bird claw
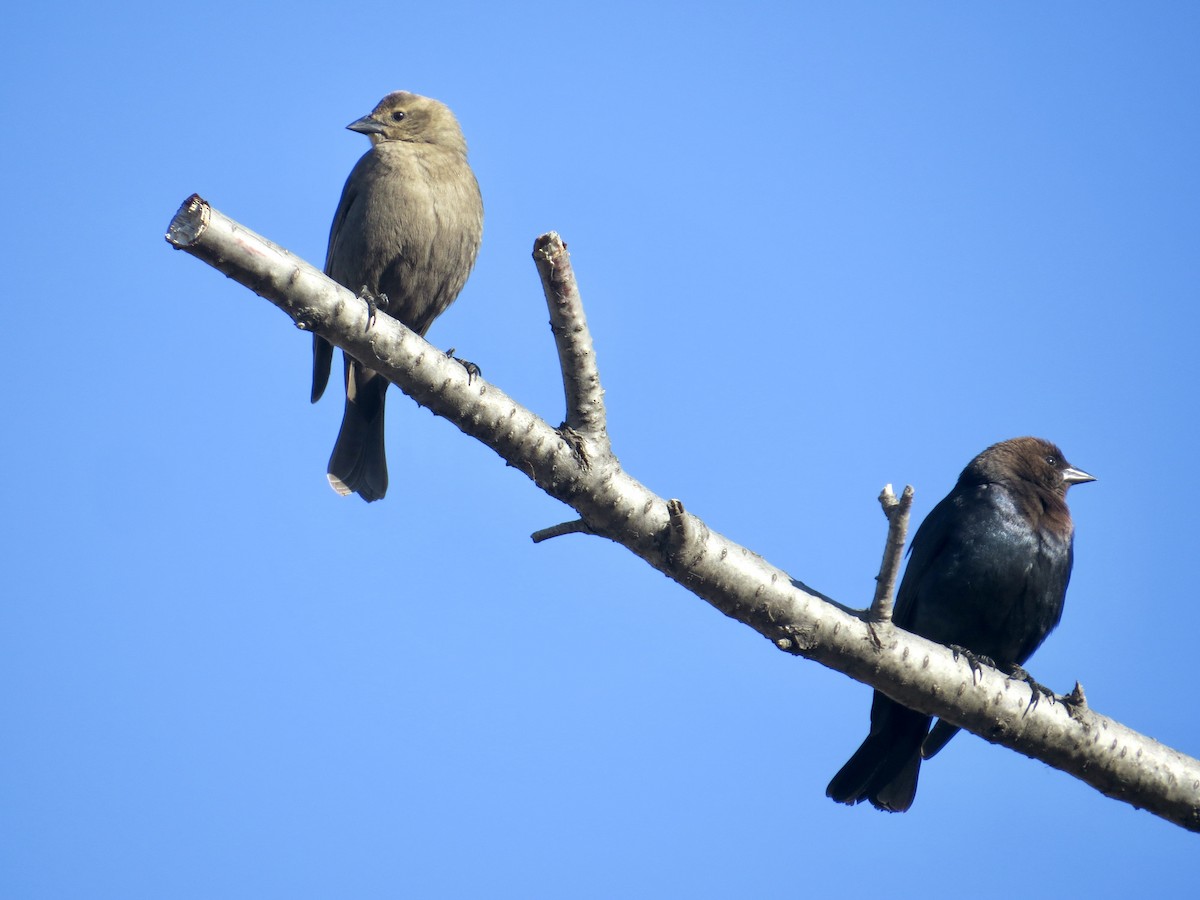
[975,660]
[1037,689]
[473,371]
[875,638]
[375,302]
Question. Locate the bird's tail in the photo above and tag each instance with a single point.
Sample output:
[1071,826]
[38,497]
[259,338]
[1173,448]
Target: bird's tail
[885,767]
[359,462]
[322,362]
[938,738]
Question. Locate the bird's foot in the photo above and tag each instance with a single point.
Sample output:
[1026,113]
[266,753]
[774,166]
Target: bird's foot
[375,302]
[1037,689]
[473,371]
[975,660]
[875,638]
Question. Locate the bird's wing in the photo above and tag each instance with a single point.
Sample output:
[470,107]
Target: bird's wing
[322,349]
[931,540]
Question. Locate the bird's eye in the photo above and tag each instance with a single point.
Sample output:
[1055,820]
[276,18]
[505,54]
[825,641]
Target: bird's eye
[397,115]
[1052,460]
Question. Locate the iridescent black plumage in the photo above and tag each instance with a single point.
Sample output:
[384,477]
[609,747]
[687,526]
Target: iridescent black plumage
[988,572]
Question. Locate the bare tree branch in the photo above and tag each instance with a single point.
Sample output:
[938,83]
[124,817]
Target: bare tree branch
[893,551]
[576,466]
[576,355]
[576,526]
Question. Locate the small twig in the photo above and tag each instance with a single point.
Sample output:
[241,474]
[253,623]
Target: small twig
[577,527]
[685,537]
[576,353]
[1076,702]
[893,551]
[677,525]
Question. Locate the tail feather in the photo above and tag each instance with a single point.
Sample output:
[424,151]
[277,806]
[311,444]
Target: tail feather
[358,463]
[938,738]
[885,767]
[322,362]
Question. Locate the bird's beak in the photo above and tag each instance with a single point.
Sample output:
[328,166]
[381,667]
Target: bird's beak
[366,125]
[1072,475]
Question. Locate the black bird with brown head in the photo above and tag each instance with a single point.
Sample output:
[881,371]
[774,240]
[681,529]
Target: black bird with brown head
[987,572]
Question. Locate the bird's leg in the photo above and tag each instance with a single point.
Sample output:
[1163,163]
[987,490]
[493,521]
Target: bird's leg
[875,638]
[375,302]
[473,370]
[1039,690]
[975,660]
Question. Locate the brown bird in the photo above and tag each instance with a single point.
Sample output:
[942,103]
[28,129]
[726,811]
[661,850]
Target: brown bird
[987,573]
[405,235]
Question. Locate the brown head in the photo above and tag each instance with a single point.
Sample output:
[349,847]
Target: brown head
[1026,459]
[401,116]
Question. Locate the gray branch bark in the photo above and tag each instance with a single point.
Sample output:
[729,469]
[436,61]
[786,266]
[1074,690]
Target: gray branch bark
[575,464]
[889,570]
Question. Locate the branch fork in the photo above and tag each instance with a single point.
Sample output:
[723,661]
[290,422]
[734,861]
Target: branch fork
[897,512]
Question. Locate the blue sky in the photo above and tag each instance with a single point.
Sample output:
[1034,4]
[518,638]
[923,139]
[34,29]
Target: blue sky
[821,246]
